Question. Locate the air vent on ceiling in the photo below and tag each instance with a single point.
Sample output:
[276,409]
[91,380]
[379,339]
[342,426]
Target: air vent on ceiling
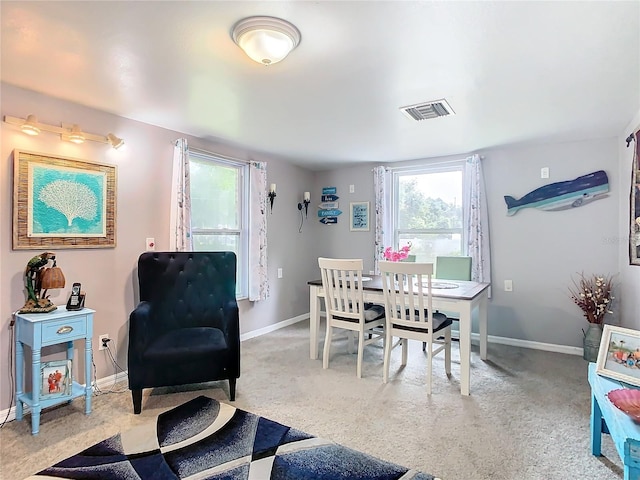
[424,111]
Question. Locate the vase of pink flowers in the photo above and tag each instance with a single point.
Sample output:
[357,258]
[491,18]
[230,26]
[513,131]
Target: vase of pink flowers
[397,256]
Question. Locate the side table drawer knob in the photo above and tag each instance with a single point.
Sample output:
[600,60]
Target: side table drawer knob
[65,329]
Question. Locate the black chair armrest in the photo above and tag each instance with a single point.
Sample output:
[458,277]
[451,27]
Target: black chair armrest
[140,328]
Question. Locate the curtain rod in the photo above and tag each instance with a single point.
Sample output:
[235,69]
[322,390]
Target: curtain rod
[218,155]
[421,163]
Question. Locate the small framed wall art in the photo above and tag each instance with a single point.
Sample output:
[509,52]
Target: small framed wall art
[62,202]
[619,354]
[359,217]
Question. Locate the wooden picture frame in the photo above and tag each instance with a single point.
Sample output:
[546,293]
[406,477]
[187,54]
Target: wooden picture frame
[62,202]
[55,378]
[634,204]
[619,354]
[359,216]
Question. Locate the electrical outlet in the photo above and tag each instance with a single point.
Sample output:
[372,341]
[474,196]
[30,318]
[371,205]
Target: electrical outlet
[102,345]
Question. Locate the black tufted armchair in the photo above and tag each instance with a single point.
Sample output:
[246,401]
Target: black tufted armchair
[186,327]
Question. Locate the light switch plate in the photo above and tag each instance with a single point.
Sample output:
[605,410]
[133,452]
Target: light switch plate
[150,244]
[508,285]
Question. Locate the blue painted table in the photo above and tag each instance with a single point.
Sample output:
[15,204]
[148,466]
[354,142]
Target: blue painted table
[38,330]
[606,418]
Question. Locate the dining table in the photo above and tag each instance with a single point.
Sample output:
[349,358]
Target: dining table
[454,296]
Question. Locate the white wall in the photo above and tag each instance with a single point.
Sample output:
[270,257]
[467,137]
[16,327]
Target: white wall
[629,274]
[539,251]
[143,193]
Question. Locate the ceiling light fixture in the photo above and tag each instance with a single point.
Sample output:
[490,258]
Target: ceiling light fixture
[71,133]
[266,40]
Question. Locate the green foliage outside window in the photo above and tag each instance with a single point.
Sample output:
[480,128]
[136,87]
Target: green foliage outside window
[429,213]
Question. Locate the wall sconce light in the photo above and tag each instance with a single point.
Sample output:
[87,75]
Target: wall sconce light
[266,40]
[71,133]
[306,201]
[272,194]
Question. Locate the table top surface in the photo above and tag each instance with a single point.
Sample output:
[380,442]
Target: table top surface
[60,312]
[455,289]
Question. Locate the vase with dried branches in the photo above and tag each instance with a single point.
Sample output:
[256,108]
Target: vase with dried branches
[594,295]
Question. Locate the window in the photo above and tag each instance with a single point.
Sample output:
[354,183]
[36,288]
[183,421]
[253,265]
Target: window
[219,210]
[427,211]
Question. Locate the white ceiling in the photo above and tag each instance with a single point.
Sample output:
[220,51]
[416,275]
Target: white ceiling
[514,72]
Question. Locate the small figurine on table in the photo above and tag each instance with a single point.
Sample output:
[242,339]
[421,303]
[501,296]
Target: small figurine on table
[38,279]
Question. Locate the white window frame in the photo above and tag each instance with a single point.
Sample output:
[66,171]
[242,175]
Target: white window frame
[243,232]
[395,192]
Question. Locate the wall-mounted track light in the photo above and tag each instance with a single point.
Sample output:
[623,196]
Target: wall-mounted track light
[71,133]
[30,125]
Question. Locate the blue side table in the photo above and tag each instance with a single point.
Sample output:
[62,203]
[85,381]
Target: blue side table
[606,418]
[40,330]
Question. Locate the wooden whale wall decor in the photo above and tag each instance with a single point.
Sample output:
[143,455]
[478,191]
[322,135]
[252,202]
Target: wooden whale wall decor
[562,195]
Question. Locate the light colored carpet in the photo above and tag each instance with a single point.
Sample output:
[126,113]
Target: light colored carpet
[527,416]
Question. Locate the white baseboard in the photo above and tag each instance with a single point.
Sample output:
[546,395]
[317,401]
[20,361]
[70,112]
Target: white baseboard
[515,342]
[272,328]
[106,382]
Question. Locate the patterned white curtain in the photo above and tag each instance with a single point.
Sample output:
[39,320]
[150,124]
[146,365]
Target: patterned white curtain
[476,220]
[258,286]
[180,239]
[384,229]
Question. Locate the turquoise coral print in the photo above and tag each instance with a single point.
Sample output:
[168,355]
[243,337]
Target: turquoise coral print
[66,201]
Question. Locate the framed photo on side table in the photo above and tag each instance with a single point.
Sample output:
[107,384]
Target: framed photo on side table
[56,378]
[359,216]
[619,354]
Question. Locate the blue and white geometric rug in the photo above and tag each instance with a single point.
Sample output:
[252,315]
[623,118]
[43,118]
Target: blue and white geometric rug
[204,439]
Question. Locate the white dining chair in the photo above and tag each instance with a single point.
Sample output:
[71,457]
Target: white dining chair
[409,314]
[451,268]
[342,282]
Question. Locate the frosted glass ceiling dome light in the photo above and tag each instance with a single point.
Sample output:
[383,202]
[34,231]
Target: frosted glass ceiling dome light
[266,40]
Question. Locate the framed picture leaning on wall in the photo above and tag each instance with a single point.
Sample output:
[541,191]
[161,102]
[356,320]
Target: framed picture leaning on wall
[634,201]
[62,202]
[619,354]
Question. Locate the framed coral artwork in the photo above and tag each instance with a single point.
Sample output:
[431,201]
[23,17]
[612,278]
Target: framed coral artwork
[62,202]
